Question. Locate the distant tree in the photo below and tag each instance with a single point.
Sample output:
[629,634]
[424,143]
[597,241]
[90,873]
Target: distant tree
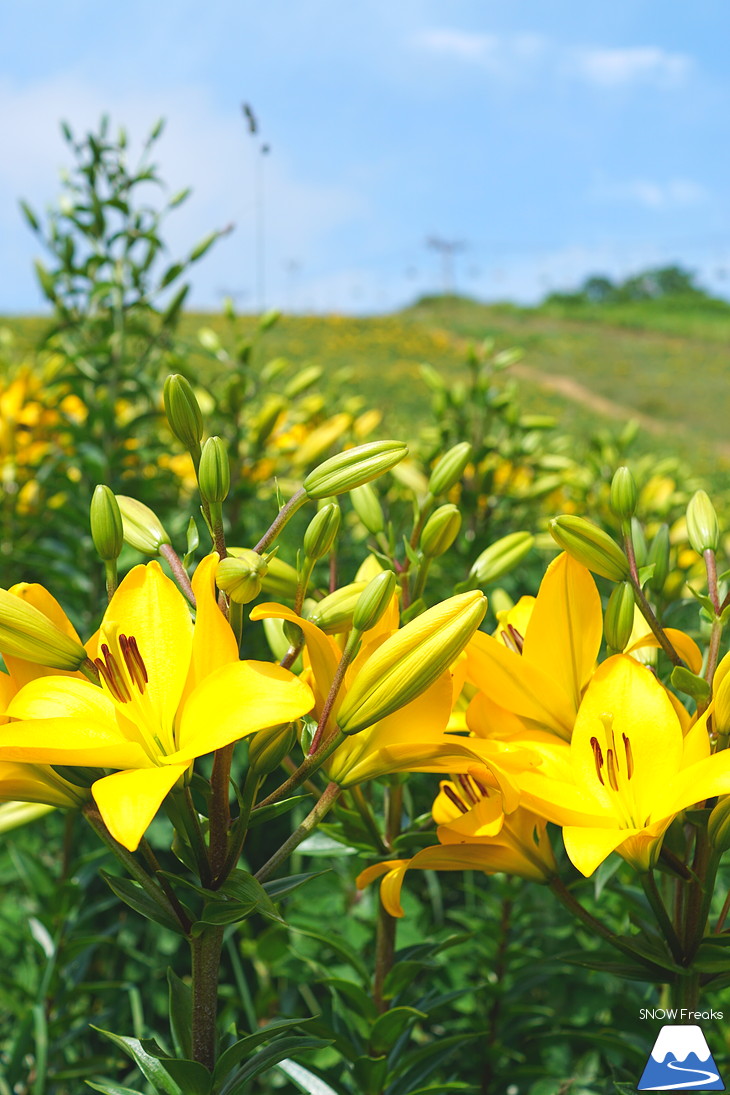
[653,284]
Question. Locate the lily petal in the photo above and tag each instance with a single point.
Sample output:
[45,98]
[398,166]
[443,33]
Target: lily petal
[686,647]
[77,741]
[214,643]
[587,848]
[564,634]
[128,801]
[236,700]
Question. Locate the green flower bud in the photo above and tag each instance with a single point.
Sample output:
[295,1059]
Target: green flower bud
[409,662]
[440,531]
[591,546]
[142,528]
[268,319]
[240,575]
[354,467]
[26,632]
[267,748]
[214,474]
[106,524]
[658,554]
[267,418]
[618,621]
[333,614]
[183,412]
[638,539]
[321,532]
[374,600]
[449,469]
[718,825]
[702,527]
[624,494]
[501,557]
[367,506]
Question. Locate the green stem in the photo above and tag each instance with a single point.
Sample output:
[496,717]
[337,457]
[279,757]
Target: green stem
[220,812]
[311,821]
[235,618]
[662,916]
[307,768]
[179,572]
[644,607]
[387,924]
[348,653]
[153,863]
[110,569]
[295,502]
[240,826]
[574,906]
[363,808]
[205,951]
[135,869]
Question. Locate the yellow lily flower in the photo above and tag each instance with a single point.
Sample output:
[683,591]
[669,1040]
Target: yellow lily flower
[475,834]
[409,739]
[628,771]
[540,676]
[170,692]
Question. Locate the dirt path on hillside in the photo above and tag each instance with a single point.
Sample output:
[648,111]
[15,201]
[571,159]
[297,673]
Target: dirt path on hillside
[578,393]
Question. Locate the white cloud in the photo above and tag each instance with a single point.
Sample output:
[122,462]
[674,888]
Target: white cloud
[501,55]
[631,65]
[671,194]
[202,147]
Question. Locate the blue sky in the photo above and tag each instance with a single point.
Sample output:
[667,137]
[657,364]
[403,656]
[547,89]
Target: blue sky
[550,138]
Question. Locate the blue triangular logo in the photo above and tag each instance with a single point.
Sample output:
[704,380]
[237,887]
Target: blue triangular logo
[680,1061]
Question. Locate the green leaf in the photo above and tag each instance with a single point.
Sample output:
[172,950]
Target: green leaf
[171,274]
[239,897]
[112,1089]
[204,245]
[704,601]
[279,887]
[362,1003]
[193,540]
[266,813]
[690,683]
[236,1053]
[132,894]
[148,1063]
[181,1014]
[646,573]
[305,1080]
[192,1077]
[240,1084]
[390,1026]
[370,1074]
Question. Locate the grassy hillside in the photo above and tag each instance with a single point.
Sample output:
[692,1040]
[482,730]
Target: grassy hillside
[662,361]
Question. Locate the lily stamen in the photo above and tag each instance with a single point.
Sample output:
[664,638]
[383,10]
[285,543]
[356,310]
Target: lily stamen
[629,756]
[453,797]
[112,675]
[134,661]
[517,638]
[468,789]
[598,758]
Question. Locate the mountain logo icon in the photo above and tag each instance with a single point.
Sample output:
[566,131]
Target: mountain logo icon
[680,1061]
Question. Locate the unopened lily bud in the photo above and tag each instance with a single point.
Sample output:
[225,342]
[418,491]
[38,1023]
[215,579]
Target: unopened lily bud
[25,632]
[702,527]
[267,748]
[106,524]
[440,531]
[618,621]
[374,600]
[214,474]
[658,554]
[267,418]
[638,539]
[718,825]
[449,469]
[334,612]
[321,531]
[591,546]
[143,529]
[239,576]
[624,494]
[367,506]
[183,412]
[354,467]
[501,557]
[409,662]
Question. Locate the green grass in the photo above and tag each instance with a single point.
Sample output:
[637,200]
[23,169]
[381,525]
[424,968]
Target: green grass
[667,360]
